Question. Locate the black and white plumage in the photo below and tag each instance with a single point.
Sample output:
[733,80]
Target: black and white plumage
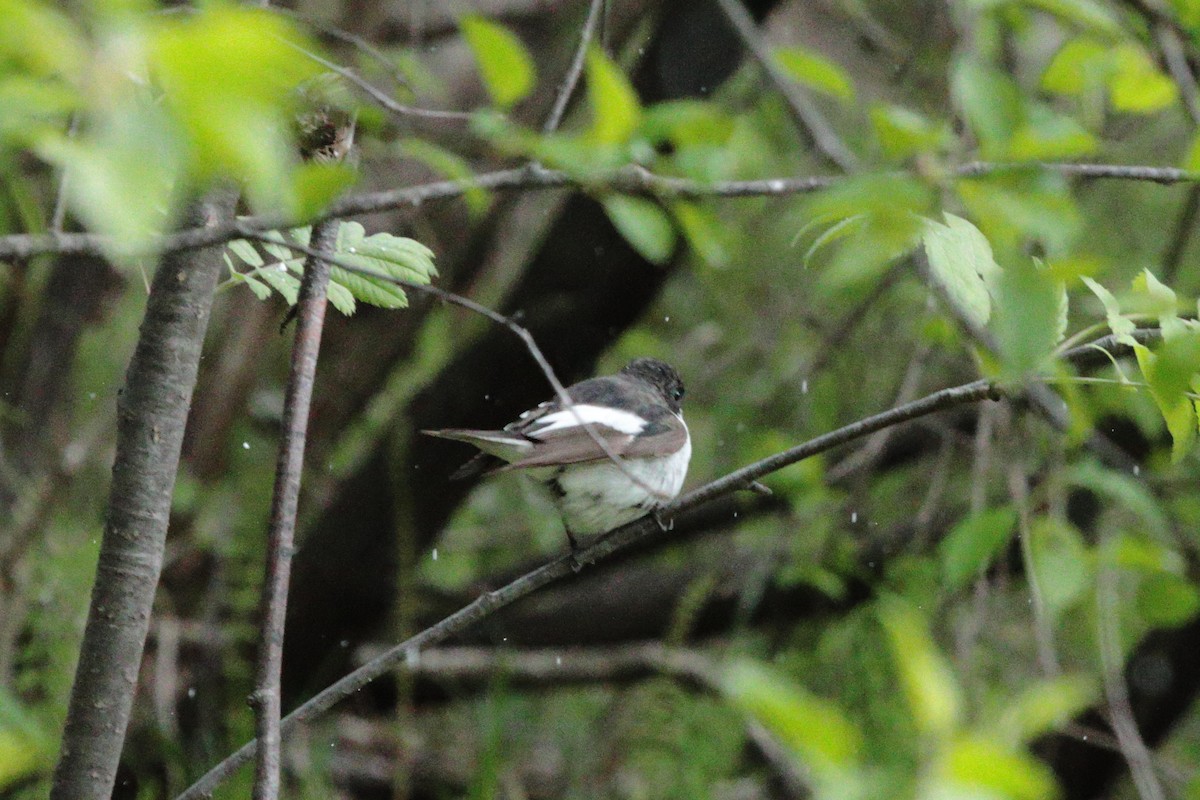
[636,413]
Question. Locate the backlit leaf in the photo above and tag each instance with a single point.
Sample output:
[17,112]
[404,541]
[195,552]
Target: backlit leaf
[505,65]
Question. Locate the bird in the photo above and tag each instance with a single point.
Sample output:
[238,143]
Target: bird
[636,413]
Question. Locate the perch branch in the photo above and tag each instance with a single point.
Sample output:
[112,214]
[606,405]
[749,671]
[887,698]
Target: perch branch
[607,544]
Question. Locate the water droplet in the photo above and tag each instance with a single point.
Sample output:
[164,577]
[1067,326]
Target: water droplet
[435,554]
[91,395]
[351,250]
[775,186]
[1137,468]
[558,660]
[245,445]
[853,517]
[667,318]
[804,386]
[344,643]
[191,692]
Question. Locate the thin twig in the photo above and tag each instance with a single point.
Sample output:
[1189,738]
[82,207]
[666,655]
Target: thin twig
[1018,488]
[632,179]
[381,97]
[1124,724]
[355,41]
[1185,225]
[311,305]
[808,117]
[576,69]
[619,539]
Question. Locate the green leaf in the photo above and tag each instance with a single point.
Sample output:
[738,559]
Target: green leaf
[978,762]
[961,263]
[1045,134]
[904,133]
[1061,565]
[1080,65]
[1171,371]
[990,101]
[1137,85]
[246,252]
[814,728]
[505,65]
[260,289]
[1028,318]
[705,232]
[450,165]
[281,280]
[124,175]
[616,112]
[815,72]
[1167,601]
[1046,706]
[41,40]
[686,123]
[1118,324]
[1087,14]
[230,75]
[1124,490]
[340,297]
[1152,296]
[316,184]
[394,256]
[973,543]
[929,685]
[643,224]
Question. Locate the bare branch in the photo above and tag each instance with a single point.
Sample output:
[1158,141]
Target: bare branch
[631,180]
[808,117]
[609,543]
[311,306]
[576,69]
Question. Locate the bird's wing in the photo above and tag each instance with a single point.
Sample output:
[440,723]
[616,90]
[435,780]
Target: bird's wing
[561,444]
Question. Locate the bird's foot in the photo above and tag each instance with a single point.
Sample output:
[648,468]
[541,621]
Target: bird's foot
[666,526]
[576,565]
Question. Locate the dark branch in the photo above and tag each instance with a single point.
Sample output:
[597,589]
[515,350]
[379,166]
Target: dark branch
[631,180]
[311,306]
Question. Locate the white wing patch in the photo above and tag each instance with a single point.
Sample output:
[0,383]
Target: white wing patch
[614,418]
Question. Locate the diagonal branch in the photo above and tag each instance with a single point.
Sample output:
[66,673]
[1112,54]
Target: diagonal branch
[608,544]
[808,117]
[576,69]
[266,699]
[151,412]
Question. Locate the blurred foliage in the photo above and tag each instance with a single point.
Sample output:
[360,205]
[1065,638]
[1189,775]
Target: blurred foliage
[788,316]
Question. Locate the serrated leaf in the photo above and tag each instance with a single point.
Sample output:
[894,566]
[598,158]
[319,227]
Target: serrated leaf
[282,281]
[616,112]
[961,262]
[260,289]
[504,63]
[643,224]
[1170,372]
[815,72]
[1119,325]
[340,297]
[247,252]
[393,256]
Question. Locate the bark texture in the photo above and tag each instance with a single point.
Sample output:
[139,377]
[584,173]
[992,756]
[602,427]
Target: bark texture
[151,413]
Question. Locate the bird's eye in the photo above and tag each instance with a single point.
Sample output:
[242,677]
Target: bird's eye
[677,394]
